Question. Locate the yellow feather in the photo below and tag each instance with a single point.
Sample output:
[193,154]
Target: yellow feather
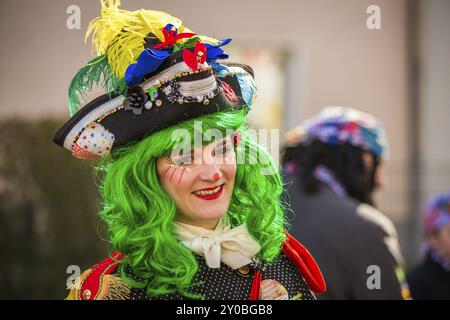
[120,33]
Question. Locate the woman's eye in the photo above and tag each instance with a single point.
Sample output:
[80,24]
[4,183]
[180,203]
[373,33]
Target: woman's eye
[184,161]
[223,151]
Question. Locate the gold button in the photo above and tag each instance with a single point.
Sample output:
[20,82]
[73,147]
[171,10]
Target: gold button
[244,271]
[87,294]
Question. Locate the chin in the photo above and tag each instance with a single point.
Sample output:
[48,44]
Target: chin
[211,209]
[213,213]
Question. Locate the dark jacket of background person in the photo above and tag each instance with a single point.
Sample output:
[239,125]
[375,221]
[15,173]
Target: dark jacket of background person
[346,237]
[429,281]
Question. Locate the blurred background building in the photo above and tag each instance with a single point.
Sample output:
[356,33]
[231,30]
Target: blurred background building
[307,54]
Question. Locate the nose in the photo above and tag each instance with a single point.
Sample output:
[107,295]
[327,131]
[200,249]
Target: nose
[211,173]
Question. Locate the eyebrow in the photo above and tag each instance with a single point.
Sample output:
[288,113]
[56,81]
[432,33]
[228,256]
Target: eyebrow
[181,155]
[221,143]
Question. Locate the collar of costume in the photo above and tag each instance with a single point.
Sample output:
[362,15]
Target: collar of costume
[324,175]
[155,73]
[233,246]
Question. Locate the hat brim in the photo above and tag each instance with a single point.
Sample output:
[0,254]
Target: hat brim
[110,125]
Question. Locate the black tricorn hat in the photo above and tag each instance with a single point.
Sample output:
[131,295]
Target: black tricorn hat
[169,83]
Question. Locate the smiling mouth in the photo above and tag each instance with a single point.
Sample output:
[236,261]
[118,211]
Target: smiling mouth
[209,193]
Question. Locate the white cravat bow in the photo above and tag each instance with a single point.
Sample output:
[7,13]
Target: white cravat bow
[234,247]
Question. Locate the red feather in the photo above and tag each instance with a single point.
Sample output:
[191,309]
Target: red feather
[305,264]
[256,286]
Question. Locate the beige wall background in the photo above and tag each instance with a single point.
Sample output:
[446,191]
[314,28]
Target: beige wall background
[332,58]
[434,98]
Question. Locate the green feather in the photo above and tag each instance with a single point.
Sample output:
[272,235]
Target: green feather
[187,44]
[95,72]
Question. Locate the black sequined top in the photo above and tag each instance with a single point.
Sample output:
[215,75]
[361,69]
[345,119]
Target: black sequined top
[280,280]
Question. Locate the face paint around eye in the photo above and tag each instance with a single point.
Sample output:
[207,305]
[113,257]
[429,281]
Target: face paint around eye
[181,175]
[173,171]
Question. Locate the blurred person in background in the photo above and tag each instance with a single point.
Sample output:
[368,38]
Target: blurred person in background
[332,164]
[431,278]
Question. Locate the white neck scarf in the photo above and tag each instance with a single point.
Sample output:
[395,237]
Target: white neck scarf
[234,247]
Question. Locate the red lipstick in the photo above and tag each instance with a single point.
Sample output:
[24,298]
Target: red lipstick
[209,193]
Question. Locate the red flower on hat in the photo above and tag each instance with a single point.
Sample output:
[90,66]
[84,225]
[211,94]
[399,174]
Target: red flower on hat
[192,59]
[171,37]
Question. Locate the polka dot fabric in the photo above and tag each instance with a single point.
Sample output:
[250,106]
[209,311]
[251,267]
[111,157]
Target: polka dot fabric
[225,283]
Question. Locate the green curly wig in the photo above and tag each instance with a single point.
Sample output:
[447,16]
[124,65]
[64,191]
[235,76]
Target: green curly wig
[139,213]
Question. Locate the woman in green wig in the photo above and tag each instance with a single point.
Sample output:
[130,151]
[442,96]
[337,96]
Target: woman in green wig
[190,207]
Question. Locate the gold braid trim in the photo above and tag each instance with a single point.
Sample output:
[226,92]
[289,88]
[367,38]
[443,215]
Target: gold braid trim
[113,288]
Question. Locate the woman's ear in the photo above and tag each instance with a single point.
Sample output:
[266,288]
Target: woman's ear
[236,138]
[380,176]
